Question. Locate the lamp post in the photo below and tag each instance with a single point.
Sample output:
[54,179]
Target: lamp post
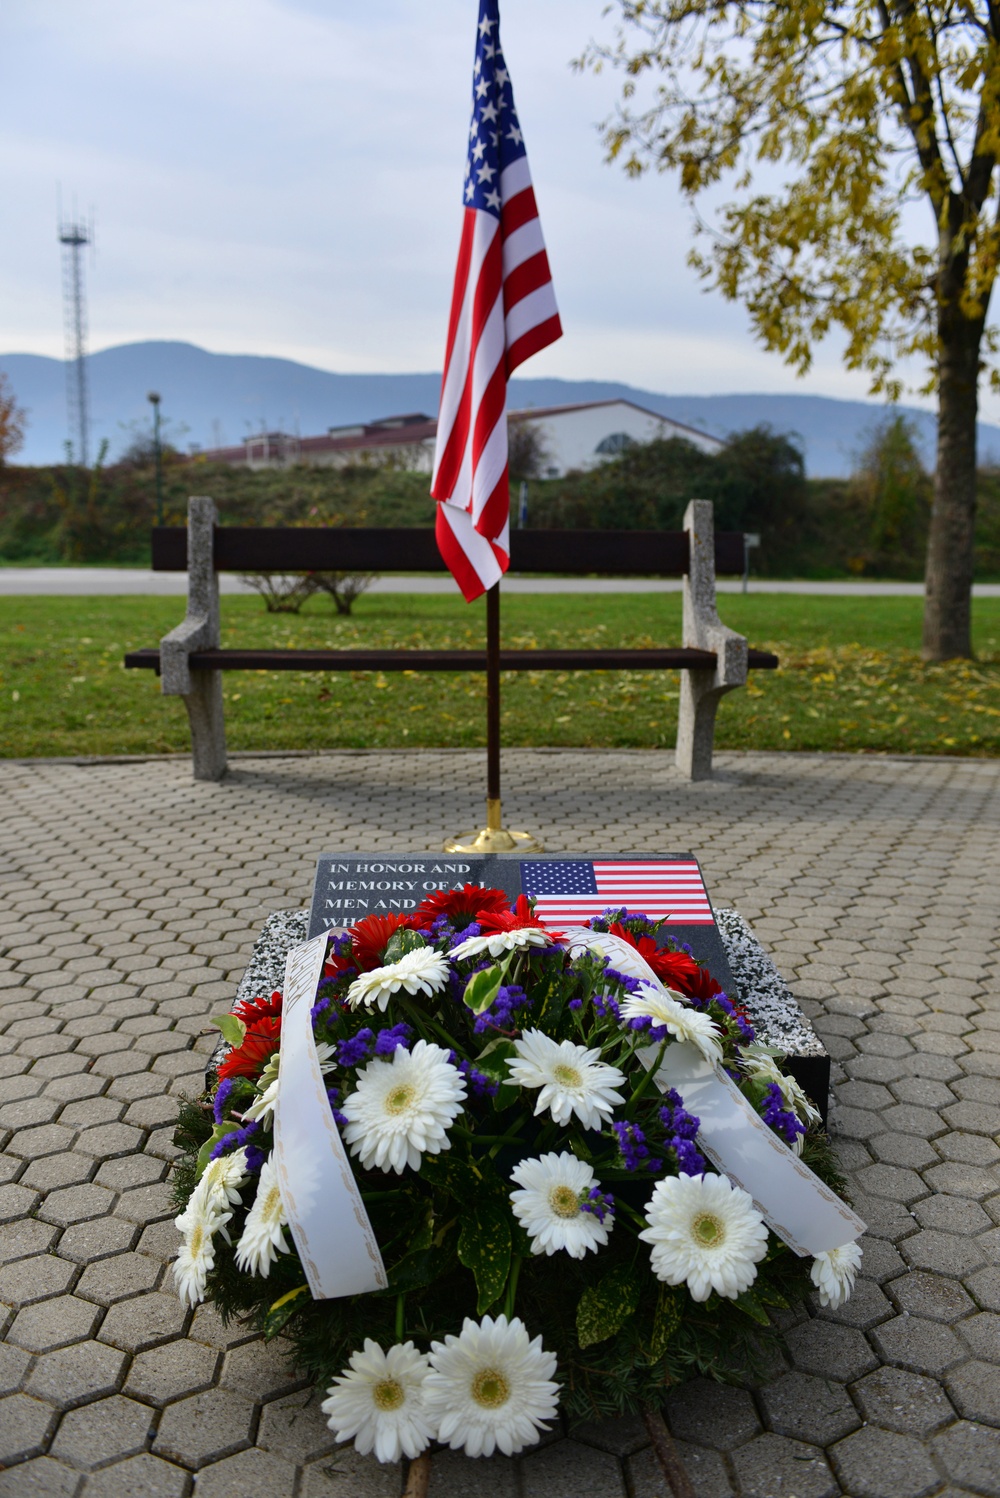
[154,400]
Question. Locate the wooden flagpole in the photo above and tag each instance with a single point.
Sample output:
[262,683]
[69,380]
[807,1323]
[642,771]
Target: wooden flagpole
[494,837]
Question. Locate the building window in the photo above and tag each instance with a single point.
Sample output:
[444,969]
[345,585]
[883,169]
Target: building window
[617,442]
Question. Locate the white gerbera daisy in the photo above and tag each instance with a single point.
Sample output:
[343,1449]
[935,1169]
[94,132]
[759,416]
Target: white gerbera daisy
[219,1186]
[196,1255]
[496,943]
[402,1107]
[421,971]
[763,1067]
[706,1233]
[665,1007]
[833,1273]
[490,1387]
[379,1401]
[262,1109]
[551,1205]
[262,1238]
[573,1079]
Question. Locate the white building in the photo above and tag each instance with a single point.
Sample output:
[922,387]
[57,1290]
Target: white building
[584,435]
[579,436]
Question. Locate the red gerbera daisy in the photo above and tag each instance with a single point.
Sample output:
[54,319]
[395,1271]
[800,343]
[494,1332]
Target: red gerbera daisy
[517,919]
[461,906]
[676,969]
[262,1018]
[371,936]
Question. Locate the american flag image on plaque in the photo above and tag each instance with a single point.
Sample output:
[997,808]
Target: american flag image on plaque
[575,889]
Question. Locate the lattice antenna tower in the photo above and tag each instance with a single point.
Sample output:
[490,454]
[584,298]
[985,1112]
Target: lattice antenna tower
[74,236]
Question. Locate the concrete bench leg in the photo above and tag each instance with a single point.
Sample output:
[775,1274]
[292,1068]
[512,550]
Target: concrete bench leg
[201,690]
[700,697]
[208,725]
[701,691]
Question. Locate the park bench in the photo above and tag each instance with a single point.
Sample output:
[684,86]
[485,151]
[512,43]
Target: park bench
[713,659]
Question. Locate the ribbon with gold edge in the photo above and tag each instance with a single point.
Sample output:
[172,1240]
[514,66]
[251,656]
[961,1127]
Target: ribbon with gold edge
[326,1215]
[790,1197]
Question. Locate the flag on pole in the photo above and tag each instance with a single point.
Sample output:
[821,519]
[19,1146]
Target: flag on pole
[503,310]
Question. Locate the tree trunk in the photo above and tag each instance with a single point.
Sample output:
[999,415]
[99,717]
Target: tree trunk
[950,542]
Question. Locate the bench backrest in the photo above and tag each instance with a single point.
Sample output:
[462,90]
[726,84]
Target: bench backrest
[238,548]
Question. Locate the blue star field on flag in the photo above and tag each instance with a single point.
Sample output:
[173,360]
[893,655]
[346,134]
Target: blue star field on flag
[495,138]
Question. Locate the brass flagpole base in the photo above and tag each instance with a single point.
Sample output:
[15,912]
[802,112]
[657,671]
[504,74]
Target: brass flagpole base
[494,837]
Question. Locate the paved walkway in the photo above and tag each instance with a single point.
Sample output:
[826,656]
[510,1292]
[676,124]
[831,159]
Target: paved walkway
[131,898]
[104,581]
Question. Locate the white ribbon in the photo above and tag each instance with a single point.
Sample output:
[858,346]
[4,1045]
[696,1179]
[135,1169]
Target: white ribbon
[325,1212]
[791,1198]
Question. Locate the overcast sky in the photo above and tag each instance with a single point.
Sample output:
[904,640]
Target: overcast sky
[284,177]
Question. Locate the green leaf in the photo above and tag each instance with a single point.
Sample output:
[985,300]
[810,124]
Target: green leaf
[482,988]
[605,1307]
[446,1173]
[401,942]
[484,1247]
[665,1322]
[751,1305]
[205,1153]
[421,1267]
[233,1029]
[553,995]
[283,1310]
[494,1061]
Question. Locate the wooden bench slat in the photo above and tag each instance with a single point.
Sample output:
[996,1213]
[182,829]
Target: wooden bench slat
[451,660]
[400,549]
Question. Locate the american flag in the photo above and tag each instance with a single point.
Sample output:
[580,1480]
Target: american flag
[503,310]
[576,890]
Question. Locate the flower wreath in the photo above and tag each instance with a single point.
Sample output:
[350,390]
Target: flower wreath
[551,1233]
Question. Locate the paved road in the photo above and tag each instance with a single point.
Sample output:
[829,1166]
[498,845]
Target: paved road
[96,581]
[131,898]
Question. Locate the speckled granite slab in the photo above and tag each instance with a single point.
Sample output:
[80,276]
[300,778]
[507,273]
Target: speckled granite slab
[777,1019]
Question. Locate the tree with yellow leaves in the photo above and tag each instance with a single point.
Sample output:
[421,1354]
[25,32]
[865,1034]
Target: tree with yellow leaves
[835,126]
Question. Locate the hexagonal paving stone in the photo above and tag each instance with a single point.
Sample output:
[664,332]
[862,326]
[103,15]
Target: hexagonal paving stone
[20,1239]
[173,1371]
[903,1149]
[773,1464]
[884,1464]
[710,1414]
[129,1171]
[54,1171]
[205,1428]
[563,1467]
[76,1204]
[971,1456]
[49,1139]
[952,1214]
[621,1435]
[35,1278]
[13,1366]
[25,1427]
[906,1402]
[975,1391]
[16,1202]
[96,1433]
[146,1203]
[261,1370]
[107,1140]
[144,1321]
[828,1350]
[348,1475]
[77,1374]
[809,1409]
[54,1323]
[981,1333]
[984,1287]
[892,1181]
[865,1307]
[86,1241]
[142,1476]
[252,1474]
[295,1427]
[118,1278]
[930,1295]
[41,1476]
[918,1344]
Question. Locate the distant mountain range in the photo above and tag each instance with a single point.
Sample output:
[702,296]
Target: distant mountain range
[214,399]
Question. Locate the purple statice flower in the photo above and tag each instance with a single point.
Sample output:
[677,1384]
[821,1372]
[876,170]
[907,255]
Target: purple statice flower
[601,1203]
[632,1146]
[681,1129]
[481,1084]
[605,1004]
[255,1158]
[342,945]
[470,931]
[219,1106]
[357,1049]
[500,1015]
[320,1007]
[728,1008]
[235,1140]
[630,985]
[333,1097]
[388,1041]
[575,1004]
[778,1117]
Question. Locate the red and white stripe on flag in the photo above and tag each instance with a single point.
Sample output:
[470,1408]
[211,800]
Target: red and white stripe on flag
[503,310]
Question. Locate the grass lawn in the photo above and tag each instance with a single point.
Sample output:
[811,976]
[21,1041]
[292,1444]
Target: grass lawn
[851,677]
